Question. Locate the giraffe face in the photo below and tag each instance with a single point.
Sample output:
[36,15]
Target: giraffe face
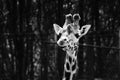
[70,32]
[66,36]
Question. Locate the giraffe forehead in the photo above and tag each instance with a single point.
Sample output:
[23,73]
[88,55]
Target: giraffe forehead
[67,29]
[68,33]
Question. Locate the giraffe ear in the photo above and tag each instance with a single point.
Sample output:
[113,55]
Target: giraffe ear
[57,28]
[84,29]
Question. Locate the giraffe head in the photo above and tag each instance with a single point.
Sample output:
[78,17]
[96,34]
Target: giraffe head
[70,33]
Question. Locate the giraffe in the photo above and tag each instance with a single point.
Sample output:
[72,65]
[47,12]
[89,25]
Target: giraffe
[70,34]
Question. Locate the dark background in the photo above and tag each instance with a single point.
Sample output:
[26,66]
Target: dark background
[28,49]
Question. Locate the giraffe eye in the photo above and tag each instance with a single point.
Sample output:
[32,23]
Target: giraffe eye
[65,39]
[60,34]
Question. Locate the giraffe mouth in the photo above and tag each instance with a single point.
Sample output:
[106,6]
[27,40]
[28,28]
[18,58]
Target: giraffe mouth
[64,48]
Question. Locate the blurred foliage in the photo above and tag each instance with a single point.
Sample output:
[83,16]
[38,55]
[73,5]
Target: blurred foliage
[28,49]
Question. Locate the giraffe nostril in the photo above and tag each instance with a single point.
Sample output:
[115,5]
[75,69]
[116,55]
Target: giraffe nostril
[61,42]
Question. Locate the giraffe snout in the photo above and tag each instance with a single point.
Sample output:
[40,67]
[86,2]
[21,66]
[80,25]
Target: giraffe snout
[62,42]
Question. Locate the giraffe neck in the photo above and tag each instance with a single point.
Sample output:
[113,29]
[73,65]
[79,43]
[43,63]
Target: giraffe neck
[70,66]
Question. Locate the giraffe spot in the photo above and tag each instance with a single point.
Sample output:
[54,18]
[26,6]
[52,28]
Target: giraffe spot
[74,66]
[75,54]
[69,29]
[75,47]
[77,35]
[73,60]
[67,75]
[67,66]
[70,60]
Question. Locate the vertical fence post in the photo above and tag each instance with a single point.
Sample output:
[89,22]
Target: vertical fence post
[119,48]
